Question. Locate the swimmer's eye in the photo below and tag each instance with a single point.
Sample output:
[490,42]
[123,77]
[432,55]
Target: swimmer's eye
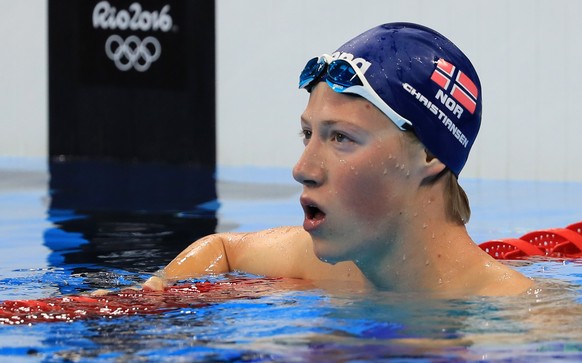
[306,134]
[339,137]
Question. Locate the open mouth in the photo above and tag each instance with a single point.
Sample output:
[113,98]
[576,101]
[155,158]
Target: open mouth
[312,212]
[314,216]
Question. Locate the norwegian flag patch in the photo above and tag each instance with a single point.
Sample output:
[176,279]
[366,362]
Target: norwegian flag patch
[457,83]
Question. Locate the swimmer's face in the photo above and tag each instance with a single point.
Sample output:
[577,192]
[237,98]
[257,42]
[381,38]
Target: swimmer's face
[358,175]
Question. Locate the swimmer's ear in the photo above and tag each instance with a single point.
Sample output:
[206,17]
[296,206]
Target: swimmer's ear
[433,167]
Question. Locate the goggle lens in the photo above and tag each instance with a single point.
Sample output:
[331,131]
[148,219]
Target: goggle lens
[312,71]
[342,75]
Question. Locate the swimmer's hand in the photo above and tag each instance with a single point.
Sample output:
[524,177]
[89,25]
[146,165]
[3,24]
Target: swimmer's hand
[103,292]
[155,283]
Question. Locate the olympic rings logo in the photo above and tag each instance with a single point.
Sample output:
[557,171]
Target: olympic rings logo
[132,52]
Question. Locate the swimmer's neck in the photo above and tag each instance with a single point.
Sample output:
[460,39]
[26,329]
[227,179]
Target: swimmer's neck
[424,256]
[434,254]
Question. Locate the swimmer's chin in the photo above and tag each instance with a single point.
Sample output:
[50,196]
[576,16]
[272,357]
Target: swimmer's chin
[328,259]
[327,255]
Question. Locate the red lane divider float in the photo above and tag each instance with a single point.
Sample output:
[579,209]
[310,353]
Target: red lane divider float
[553,242]
[130,302]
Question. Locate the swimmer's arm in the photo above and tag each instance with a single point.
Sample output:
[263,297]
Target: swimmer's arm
[277,252]
[205,256]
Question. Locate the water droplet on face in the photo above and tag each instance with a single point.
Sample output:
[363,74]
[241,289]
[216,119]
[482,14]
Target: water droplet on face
[390,156]
[403,257]
[424,225]
[427,262]
[488,264]
[440,281]
[433,235]
[397,165]
[385,171]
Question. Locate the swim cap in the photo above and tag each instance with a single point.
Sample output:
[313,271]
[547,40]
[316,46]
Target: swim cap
[426,80]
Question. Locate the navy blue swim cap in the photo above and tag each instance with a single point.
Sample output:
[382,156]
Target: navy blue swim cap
[426,80]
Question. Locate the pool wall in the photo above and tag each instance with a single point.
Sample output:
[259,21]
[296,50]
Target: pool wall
[524,51]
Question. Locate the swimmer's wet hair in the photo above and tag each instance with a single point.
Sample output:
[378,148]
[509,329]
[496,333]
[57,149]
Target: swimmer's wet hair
[457,202]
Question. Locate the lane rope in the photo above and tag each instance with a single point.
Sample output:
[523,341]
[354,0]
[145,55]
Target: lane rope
[131,301]
[563,243]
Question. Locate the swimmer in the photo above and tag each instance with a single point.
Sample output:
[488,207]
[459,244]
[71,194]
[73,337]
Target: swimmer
[391,117]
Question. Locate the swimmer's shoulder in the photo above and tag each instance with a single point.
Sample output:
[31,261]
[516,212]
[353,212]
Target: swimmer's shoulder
[507,282]
[277,240]
[286,232]
[288,252]
[273,235]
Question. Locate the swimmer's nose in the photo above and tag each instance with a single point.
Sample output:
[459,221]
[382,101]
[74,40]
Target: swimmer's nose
[310,169]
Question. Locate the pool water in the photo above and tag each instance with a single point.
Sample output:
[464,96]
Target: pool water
[50,248]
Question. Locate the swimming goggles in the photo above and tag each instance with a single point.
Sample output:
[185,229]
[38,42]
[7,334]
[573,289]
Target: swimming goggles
[344,76]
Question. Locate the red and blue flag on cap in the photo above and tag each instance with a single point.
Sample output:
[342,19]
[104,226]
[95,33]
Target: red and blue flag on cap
[463,90]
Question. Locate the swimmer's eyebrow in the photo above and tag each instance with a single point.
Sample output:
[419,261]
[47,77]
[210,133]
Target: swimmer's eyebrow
[328,123]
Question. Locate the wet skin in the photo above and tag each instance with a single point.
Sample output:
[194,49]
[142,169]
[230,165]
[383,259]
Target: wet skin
[356,174]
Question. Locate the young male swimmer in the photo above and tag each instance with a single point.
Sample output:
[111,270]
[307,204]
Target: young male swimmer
[391,117]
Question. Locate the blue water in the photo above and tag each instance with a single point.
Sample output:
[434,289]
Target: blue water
[51,252]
